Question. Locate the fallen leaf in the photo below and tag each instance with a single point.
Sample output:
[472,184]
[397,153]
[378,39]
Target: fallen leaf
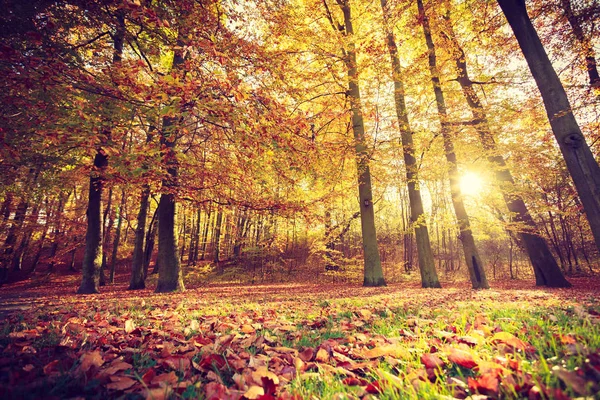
[91,359]
[572,380]
[129,326]
[254,392]
[120,383]
[322,355]
[392,350]
[510,340]
[461,357]
[432,361]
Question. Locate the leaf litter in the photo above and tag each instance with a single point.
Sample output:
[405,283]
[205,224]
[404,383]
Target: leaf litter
[302,341]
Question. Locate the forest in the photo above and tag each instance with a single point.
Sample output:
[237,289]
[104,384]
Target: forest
[299,199]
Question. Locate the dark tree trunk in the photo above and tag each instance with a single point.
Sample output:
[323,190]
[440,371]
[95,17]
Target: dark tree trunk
[28,228]
[107,223]
[585,42]
[429,277]
[547,272]
[582,166]
[137,280]
[6,205]
[11,239]
[92,259]
[115,249]
[170,276]
[474,262]
[150,240]
[205,234]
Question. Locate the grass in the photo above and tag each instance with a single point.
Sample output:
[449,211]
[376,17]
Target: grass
[558,328]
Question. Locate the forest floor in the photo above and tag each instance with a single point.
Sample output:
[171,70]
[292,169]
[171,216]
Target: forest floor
[297,341]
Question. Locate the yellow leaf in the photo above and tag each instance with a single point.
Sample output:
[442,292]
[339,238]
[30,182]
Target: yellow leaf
[129,326]
[322,355]
[254,392]
[386,350]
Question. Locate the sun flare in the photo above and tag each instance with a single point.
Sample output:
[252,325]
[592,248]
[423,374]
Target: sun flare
[471,184]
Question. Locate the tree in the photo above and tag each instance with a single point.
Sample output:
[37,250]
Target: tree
[547,272]
[169,275]
[429,276]
[582,166]
[373,273]
[474,262]
[92,259]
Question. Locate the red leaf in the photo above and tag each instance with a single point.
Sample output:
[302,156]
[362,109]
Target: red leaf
[432,361]
[374,388]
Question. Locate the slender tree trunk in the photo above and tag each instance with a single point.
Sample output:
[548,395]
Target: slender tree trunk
[6,205]
[373,273]
[217,239]
[137,280]
[170,276]
[205,234]
[585,42]
[11,239]
[429,277]
[149,248]
[547,272]
[474,262]
[92,259]
[582,166]
[28,228]
[115,249]
[108,222]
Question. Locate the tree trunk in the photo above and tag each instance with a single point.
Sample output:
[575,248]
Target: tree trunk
[373,273]
[11,239]
[582,166]
[115,249]
[92,259]
[474,262]
[28,228]
[429,277]
[585,42]
[149,247]
[169,275]
[107,224]
[217,238]
[205,234]
[547,272]
[137,280]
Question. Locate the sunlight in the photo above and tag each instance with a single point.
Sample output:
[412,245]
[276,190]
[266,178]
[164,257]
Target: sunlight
[471,184]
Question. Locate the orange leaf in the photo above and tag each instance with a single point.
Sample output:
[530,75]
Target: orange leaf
[486,384]
[91,359]
[510,340]
[322,356]
[462,358]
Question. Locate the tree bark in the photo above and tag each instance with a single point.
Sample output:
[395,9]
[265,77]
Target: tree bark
[92,259]
[474,262]
[137,280]
[11,239]
[373,273]
[582,166]
[115,249]
[585,42]
[429,277]
[217,238]
[546,270]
